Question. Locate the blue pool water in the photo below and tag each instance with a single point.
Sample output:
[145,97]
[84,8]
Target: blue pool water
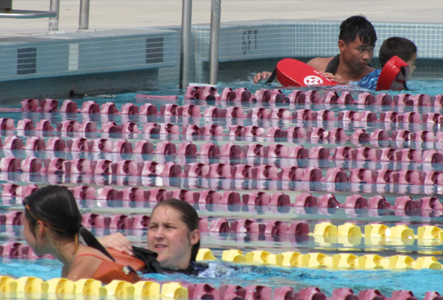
[223,273]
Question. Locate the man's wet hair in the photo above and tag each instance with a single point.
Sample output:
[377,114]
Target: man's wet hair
[402,47]
[357,26]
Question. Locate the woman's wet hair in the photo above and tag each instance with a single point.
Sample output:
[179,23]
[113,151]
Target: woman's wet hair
[55,206]
[357,26]
[402,47]
[188,215]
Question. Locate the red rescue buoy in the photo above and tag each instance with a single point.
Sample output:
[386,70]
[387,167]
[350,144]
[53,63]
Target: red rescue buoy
[291,72]
[393,76]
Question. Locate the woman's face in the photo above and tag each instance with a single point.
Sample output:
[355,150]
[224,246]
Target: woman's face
[170,238]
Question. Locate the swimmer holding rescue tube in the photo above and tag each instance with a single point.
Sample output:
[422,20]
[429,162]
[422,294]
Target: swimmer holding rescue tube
[173,235]
[52,225]
[401,47]
[356,44]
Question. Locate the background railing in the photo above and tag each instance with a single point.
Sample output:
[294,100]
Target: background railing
[6,11]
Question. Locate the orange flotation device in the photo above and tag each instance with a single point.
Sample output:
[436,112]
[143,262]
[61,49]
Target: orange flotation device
[126,260]
[393,75]
[109,271]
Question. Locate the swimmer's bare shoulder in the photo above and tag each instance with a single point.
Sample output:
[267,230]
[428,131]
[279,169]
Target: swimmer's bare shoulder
[320,63]
[84,265]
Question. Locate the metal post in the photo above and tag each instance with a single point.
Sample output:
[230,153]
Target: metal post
[185,51]
[214,41]
[84,15]
[53,21]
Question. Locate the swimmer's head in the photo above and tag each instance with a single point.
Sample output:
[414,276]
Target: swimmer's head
[401,47]
[56,208]
[53,209]
[357,27]
[173,233]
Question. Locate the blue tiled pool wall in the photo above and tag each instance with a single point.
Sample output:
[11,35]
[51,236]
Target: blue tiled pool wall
[251,41]
[77,54]
[248,47]
[244,47]
[91,62]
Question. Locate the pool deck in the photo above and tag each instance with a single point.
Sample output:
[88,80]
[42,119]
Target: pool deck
[120,14]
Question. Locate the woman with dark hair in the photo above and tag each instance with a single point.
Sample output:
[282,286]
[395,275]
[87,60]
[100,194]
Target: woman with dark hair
[52,225]
[173,235]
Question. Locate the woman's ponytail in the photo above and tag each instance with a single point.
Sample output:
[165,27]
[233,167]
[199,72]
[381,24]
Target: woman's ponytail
[91,241]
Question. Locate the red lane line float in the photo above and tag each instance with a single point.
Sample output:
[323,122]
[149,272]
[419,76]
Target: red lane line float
[239,94]
[404,205]
[227,151]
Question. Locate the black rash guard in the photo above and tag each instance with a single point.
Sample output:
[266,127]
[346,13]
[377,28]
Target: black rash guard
[333,65]
[153,266]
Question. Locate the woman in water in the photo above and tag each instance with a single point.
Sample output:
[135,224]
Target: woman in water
[52,225]
[173,235]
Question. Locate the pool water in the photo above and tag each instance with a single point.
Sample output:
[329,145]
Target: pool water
[386,281]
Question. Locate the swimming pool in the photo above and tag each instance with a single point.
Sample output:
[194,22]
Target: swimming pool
[217,239]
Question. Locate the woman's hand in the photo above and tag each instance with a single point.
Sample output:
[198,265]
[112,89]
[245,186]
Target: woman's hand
[117,241]
[261,76]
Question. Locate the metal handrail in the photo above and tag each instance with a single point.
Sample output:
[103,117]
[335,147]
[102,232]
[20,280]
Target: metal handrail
[54,5]
[185,49]
[25,14]
[6,11]
[186,43]
[214,41]
[84,15]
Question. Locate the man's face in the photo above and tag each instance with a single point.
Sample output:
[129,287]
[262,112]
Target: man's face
[356,54]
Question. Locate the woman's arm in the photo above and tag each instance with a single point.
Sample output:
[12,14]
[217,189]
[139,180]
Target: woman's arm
[116,241]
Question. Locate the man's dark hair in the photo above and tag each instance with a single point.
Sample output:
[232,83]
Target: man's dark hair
[357,26]
[399,46]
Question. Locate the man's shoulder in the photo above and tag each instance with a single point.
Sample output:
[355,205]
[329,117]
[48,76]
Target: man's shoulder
[320,63]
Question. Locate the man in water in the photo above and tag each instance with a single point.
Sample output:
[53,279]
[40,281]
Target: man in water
[356,44]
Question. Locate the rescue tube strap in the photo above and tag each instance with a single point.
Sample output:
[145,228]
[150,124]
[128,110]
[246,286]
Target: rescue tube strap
[333,65]
[272,77]
[149,258]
